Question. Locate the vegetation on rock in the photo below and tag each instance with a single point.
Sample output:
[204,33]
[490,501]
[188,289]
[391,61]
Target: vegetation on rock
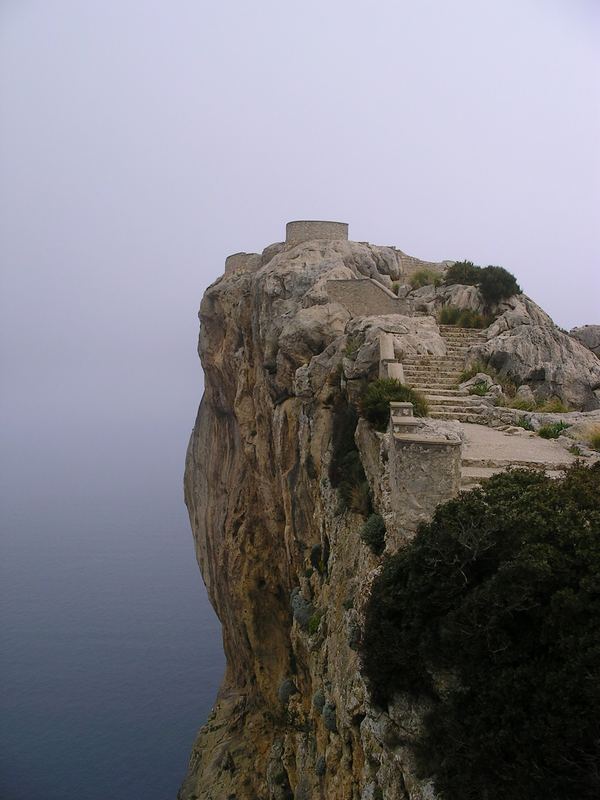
[495,283]
[373,533]
[463,318]
[346,472]
[425,277]
[375,402]
[493,612]
[462,272]
[552,431]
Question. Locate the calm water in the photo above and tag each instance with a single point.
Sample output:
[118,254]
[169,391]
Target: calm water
[111,654]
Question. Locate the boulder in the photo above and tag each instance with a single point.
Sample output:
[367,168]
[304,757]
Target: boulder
[525,345]
[589,336]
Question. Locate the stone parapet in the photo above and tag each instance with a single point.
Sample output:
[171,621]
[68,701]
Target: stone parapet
[365,297]
[242,262]
[303,230]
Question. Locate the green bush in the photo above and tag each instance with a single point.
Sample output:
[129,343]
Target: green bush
[373,533]
[314,622]
[520,404]
[346,473]
[425,277]
[353,344]
[496,284]
[493,613]
[449,315]
[462,272]
[525,423]
[375,402]
[553,406]
[471,371]
[552,431]
[463,318]
[479,389]
[594,439]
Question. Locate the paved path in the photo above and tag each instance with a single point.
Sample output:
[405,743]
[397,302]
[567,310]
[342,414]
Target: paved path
[487,451]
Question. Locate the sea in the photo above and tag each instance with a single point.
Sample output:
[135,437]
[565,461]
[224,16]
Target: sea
[111,654]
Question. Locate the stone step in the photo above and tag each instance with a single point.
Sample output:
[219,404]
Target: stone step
[458,363]
[413,438]
[440,393]
[425,387]
[471,477]
[437,408]
[460,416]
[457,400]
[430,369]
[504,463]
[467,331]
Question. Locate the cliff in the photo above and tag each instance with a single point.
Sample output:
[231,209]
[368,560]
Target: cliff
[286,351]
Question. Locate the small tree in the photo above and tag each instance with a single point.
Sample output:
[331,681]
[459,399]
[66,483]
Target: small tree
[373,533]
[496,284]
[462,272]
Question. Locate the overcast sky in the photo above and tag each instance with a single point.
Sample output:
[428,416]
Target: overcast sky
[143,141]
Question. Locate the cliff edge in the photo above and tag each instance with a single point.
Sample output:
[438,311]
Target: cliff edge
[288,340]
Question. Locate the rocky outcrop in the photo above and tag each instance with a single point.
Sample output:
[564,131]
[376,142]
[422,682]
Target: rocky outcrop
[282,558]
[589,336]
[524,344]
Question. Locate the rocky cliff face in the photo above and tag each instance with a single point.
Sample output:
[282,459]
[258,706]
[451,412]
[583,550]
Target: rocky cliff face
[283,562]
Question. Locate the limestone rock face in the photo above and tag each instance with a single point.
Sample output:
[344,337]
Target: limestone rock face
[524,344]
[285,567]
[263,512]
[589,336]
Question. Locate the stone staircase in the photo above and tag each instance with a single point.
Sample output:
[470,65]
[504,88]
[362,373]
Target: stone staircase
[437,376]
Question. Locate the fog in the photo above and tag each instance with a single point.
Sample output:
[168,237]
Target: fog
[142,141]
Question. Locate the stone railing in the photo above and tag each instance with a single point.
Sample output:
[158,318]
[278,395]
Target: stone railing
[389,366]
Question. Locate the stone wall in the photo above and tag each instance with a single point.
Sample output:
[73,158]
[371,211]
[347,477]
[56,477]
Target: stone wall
[409,264]
[242,262]
[365,297]
[304,230]
[422,475]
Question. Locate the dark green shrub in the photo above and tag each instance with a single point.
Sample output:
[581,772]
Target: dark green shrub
[480,389]
[319,700]
[375,402]
[302,609]
[316,558]
[496,284]
[521,404]
[462,272]
[553,406]
[524,422]
[320,766]
[500,595]
[373,533]
[449,315]
[552,431]
[314,622]
[463,318]
[594,439]
[353,344]
[329,717]
[286,689]
[346,472]
[471,371]
[425,277]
